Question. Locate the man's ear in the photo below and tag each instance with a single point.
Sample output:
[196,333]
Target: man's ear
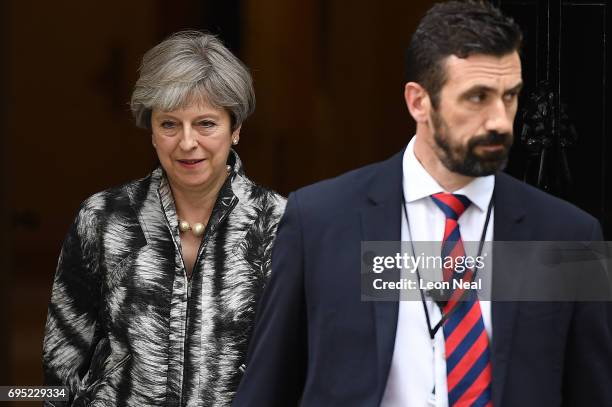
[418,102]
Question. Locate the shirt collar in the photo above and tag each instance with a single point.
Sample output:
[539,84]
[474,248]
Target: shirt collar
[418,184]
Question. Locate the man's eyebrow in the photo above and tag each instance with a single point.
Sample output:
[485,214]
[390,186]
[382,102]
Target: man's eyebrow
[486,89]
[516,89]
[478,89]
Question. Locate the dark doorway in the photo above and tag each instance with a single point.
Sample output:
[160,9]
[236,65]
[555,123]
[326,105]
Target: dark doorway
[561,130]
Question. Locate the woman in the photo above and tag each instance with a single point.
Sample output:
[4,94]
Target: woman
[154,295]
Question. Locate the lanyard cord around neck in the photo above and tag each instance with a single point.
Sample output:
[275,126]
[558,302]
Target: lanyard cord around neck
[434,330]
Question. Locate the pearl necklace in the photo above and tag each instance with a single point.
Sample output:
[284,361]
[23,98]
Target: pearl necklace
[197,228]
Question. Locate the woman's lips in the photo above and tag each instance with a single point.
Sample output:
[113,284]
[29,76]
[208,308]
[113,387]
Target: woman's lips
[192,163]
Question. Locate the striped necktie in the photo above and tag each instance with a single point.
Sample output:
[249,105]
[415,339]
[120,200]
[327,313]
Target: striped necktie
[468,365]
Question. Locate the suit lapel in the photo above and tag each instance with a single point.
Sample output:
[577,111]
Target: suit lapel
[381,221]
[509,225]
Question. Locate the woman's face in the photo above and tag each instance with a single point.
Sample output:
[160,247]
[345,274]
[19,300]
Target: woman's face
[193,144]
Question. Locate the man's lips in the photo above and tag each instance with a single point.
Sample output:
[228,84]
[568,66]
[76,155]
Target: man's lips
[491,146]
[491,150]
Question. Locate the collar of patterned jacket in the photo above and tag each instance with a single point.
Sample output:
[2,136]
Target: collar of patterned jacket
[126,326]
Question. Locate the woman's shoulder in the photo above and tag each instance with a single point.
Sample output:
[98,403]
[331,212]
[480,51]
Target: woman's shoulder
[118,198]
[259,193]
[273,198]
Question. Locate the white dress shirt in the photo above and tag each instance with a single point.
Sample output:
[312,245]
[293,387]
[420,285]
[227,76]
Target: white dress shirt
[419,364]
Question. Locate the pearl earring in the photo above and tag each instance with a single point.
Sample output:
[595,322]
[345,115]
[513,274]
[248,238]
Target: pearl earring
[228,168]
[235,141]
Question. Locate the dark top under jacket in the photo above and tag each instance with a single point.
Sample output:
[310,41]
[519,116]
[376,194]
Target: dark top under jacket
[126,327]
[316,344]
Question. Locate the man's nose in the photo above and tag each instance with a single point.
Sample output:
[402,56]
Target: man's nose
[500,118]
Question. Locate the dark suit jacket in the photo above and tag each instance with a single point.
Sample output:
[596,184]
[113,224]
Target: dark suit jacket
[317,342]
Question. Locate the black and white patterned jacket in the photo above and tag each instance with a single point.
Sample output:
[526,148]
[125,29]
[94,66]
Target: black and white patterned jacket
[125,326]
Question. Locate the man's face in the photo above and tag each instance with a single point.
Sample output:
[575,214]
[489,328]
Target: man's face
[472,125]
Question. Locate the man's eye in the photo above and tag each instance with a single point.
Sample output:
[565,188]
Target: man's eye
[510,96]
[477,98]
[167,125]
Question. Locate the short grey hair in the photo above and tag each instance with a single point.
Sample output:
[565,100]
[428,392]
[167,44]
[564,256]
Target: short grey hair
[191,67]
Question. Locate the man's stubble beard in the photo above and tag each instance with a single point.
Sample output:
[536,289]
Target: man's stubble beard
[463,160]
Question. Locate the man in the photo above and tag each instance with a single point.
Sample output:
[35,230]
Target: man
[317,344]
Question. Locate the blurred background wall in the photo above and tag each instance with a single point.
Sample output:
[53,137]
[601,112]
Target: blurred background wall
[329,84]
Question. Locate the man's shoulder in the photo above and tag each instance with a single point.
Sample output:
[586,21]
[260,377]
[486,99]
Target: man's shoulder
[348,190]
[542,205]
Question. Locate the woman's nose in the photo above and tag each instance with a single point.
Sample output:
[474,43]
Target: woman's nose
[188,139]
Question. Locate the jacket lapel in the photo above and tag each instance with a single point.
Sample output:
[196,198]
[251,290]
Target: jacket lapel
[145,200]
[509,225]
[381,221]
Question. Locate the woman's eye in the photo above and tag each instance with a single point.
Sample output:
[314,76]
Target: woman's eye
[167,125]
[206,123]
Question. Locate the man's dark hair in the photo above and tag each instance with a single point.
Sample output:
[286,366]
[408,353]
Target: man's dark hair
[460,28]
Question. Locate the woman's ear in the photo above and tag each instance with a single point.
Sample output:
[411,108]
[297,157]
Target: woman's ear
[417,101]
[236,135]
